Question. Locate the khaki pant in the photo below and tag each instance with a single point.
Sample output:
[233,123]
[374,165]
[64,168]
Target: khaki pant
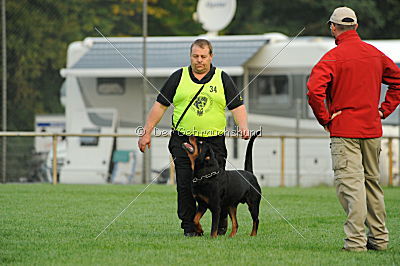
[356,166]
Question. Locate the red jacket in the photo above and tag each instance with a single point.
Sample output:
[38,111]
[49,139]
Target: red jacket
[349,78]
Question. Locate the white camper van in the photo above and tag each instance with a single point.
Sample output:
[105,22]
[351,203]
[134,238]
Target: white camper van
[104,94]
[48,123]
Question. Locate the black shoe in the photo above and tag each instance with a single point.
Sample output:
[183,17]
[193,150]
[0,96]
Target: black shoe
[191,234]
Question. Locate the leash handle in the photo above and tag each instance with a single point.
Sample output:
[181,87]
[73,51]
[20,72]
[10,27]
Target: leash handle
[187,108]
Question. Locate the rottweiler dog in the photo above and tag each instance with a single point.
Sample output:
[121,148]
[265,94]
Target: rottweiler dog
[221,191]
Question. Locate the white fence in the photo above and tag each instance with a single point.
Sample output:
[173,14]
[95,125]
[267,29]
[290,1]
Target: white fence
[288,163]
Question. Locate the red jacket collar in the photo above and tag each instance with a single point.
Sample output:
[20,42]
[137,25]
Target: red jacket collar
[350,35]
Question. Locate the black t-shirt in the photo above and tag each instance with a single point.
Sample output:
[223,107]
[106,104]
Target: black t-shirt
[167,93]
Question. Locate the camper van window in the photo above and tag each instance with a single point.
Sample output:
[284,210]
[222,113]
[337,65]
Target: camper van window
[269,90]
[109,86]
[90,141]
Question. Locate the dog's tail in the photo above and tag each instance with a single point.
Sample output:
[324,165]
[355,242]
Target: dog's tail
[248,163]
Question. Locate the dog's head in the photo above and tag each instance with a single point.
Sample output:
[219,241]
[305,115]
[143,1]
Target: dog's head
[201,156]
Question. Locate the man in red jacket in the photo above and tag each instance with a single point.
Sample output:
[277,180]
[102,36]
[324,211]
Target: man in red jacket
[343,91]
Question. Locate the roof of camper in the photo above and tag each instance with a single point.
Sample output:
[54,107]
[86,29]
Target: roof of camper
[122,56]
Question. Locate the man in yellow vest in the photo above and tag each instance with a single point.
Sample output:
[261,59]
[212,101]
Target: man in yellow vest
[204,118]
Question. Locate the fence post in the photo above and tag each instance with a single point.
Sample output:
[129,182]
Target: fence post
[55,159]
[298,117]
[390,154]
[4,159]
[282,161]
[4,87]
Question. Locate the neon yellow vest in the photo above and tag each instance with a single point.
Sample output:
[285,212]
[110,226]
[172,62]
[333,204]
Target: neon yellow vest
[206,116]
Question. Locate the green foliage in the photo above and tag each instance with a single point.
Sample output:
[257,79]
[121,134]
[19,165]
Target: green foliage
[20,159]
[178,19]
[51,225]
[377,18]
[39,32]
[34,53]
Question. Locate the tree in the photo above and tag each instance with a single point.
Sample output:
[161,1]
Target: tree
[377,18]
[39,32]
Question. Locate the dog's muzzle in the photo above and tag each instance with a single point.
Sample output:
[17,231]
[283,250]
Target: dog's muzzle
[188,147]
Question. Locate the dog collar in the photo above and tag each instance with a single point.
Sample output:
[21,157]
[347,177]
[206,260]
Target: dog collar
[198,179]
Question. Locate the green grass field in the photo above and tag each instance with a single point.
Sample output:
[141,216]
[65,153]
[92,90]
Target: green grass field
[44,224]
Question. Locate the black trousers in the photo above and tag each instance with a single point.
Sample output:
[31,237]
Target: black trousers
[184,174]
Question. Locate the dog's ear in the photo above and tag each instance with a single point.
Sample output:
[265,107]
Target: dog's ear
[203,150]
[212,154]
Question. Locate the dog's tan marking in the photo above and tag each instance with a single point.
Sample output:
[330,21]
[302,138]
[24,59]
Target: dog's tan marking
[232,214]
[197,224]
[255,227]
[195,154]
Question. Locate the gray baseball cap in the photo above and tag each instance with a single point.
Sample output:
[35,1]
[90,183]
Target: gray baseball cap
[343,16]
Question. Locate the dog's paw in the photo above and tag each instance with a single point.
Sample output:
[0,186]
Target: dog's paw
[200,232]
[222,231]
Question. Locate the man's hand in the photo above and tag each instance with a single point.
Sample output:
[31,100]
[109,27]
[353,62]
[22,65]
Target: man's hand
[144,141]
[155,115]
[335,115]
[332,117]
[244,133]
[380,114]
